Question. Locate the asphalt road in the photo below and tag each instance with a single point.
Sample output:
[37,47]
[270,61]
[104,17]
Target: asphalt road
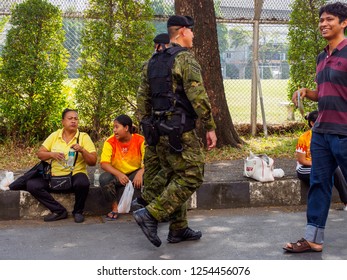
[231,234]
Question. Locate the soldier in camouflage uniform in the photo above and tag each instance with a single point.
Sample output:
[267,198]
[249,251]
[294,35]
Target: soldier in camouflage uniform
[184,170]
[151,158]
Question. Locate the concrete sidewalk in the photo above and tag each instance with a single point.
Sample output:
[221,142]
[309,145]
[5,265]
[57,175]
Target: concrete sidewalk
[224,187]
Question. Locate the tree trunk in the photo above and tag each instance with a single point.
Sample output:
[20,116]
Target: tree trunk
[207,53]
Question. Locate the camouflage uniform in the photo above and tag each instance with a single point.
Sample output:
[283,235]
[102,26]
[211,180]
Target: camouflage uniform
[184,171]
[153,170]
[151,160]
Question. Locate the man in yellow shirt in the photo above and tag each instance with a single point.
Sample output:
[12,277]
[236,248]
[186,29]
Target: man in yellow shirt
[55,149]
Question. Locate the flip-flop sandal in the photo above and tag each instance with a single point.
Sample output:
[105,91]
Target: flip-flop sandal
[113,217]
[301,246]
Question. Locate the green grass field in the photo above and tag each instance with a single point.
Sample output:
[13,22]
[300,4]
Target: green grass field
[238,96]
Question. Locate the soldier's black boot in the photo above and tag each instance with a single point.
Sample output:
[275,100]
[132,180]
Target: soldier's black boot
[148,224]
[184,234]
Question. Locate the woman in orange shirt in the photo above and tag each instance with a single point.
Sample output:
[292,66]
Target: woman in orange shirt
[122,160]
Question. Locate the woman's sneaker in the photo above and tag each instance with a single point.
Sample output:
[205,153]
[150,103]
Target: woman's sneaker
[344,207]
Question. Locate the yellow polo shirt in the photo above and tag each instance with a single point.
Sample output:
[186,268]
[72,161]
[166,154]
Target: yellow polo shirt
[55,143]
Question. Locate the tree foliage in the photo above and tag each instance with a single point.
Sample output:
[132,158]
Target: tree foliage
[34,62]
[305,43]
[3,21]
[222,30]
[116,41]
[240,37]
[271,46]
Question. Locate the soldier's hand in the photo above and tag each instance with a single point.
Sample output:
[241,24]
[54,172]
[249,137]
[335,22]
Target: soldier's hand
[211,139]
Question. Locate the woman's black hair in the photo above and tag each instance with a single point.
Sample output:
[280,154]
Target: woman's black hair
[66,111]
[311,117]
[125,120]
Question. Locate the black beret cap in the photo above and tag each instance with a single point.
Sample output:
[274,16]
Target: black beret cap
[162,38]
[180,21]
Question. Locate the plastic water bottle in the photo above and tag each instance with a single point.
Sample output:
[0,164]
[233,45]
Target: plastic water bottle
[71,157]
[96,178]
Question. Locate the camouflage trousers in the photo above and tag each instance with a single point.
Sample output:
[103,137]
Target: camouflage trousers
[179,176]
[152,168]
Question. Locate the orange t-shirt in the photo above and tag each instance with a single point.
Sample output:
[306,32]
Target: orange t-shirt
[303,146]
[125,157]
[304,143]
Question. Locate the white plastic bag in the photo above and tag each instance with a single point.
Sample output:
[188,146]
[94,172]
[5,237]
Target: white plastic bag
[259,167]
[278,173]
[6,179]
[125,200]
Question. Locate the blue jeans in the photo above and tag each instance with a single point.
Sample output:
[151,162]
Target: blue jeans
[328,151]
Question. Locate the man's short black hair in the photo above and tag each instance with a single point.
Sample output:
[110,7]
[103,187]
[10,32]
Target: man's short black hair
[337,9]
[66,111]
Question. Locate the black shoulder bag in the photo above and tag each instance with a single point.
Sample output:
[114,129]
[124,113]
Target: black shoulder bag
[40,169]
[63,183]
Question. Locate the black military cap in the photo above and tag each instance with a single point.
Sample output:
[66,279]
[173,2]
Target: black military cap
[186,21]
[162,38]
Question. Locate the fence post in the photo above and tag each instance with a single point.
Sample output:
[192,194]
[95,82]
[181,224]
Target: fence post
[258,5]
[254,78]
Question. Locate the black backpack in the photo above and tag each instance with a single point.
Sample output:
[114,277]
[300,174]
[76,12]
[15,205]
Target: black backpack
[163,98]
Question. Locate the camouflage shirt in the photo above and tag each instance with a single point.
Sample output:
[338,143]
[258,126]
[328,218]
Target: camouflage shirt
[187,70]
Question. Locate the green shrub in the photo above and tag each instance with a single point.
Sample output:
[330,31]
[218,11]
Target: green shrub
[34,62]
[114,49]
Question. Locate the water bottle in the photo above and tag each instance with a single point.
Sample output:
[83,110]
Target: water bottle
[71,157]
[96,178]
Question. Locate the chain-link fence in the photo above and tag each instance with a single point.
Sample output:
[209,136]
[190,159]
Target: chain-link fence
[236,32]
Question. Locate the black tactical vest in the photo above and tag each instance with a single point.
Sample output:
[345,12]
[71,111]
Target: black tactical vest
[165,102]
